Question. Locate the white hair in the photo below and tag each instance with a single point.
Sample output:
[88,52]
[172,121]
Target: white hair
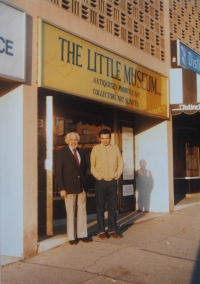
[67,137]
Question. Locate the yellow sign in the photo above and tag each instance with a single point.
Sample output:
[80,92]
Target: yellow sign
[73,65]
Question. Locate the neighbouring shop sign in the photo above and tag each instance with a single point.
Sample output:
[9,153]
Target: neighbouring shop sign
[187,107]
[184,91]
[12,42]
[73,65]
[183,56]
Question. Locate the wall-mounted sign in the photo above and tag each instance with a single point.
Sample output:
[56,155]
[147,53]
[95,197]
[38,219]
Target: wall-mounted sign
[73,65]
[182,56]
[12,42]
[127,189]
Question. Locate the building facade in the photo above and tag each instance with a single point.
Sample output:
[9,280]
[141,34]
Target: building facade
[80,66]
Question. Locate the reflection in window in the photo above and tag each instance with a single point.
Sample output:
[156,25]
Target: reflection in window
[186,152]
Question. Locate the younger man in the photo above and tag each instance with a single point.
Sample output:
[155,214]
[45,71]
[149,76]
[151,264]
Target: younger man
[106,167]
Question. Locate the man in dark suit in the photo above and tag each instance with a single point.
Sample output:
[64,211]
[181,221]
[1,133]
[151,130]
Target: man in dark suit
[71,179]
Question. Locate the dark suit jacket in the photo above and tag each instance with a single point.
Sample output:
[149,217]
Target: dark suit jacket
[69,175]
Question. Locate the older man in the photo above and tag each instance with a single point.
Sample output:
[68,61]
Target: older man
[71,180]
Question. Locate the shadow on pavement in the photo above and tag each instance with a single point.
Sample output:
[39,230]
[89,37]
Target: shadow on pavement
[195,279]
[123,220]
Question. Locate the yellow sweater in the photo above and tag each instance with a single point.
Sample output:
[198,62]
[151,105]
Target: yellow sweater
[106,162]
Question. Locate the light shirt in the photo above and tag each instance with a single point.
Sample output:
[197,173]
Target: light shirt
[106,162]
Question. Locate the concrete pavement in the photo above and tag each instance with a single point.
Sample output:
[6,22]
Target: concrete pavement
[162,249]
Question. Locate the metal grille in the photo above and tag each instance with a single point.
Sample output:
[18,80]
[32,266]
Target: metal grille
[141,22]
[184,22]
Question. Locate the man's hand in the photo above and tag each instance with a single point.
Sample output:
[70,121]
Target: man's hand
[99,178]
[116,176]
[63,193]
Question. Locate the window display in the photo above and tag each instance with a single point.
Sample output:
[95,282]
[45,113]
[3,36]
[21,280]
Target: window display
[186,152]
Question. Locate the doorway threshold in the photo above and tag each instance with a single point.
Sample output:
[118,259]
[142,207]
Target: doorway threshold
[190,199]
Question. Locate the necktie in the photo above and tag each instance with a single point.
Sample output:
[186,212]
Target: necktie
[75,155]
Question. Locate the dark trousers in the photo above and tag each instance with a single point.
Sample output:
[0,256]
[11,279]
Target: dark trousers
[105,188]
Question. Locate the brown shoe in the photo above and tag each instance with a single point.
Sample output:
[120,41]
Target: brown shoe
[114,235]
[102,236]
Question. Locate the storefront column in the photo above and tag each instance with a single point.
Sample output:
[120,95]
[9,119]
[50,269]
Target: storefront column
[153,143]
[18,172]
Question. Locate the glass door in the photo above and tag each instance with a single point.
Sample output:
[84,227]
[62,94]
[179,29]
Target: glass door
[126,189]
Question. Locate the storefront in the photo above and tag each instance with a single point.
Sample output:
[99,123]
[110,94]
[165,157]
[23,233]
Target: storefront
[84,87]
[185,107]
[16,176]
[74,81]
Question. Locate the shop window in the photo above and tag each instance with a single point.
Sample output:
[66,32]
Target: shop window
[87,126]
[186,152]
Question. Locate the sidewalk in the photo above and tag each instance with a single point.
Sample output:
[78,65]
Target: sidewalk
[60,236]
[163,249]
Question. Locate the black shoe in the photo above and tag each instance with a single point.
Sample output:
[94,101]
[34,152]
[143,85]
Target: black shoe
[73,242]
[86,240]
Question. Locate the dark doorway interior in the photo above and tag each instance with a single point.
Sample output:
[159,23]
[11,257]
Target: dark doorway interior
[186,133]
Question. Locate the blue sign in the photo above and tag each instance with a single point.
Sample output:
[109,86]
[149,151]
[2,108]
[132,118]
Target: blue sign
[188,58]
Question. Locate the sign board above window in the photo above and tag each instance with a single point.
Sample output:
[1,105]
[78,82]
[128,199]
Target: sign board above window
[73,65]
[183,56]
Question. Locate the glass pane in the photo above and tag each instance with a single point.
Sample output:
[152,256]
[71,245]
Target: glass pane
[186,152]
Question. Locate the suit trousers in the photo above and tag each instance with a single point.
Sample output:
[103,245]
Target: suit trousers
[75,205]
